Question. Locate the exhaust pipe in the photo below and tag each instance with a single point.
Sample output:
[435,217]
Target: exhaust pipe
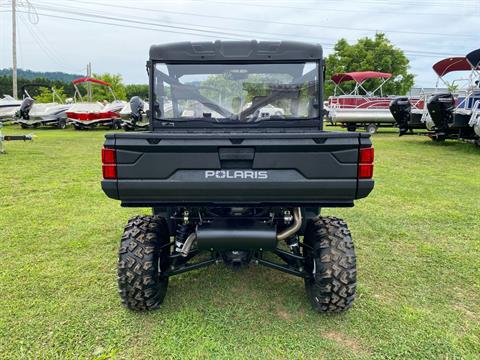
[282,236]
[297,224]
[187,245]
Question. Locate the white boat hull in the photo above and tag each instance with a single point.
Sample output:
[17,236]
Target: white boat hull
[45,113]
[8,107]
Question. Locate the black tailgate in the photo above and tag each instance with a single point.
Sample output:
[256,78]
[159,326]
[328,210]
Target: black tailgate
[243,168]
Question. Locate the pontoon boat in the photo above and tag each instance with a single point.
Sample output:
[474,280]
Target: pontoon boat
[452,113]
[360,107]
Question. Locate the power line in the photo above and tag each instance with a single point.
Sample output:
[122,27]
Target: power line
[414,53]
[220,31]
[242,35]
[48,44]
[273,22]
[322,8]
[447,3]
[40,43]
[122,25]
[129,20]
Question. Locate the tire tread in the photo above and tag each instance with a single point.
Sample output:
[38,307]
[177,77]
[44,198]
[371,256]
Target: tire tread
[141,285]
[333,287]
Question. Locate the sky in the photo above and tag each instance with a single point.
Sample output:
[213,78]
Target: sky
[115,36]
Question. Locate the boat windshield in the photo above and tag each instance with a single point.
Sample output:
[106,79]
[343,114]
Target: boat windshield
[236,92]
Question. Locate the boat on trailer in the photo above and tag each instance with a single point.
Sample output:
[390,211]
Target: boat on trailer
[134,115]
[360,108]
[411,113]
[89,114]
[8,107]
[454,115]
[32,114]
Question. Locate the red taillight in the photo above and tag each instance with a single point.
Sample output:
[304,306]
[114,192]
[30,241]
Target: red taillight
[109,160]
[365,163]
[109,171]
[108,156]
[366,156]
[365,171]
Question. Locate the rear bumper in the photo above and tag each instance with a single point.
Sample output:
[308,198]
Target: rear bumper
[238,168]
[331,193]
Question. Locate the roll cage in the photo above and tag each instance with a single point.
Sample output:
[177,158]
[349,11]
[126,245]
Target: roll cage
[235,52]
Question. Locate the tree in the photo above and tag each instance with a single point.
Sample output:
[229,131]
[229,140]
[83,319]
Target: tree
[46,96]
[226,90]
[377,54]
[32,75]
[6,86]
[137,90]
[453,88]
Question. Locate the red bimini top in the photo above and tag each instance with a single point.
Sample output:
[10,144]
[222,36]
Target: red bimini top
[359,76]
[92,80]
[457,63]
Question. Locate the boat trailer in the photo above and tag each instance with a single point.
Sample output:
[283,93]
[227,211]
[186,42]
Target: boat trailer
[4,138]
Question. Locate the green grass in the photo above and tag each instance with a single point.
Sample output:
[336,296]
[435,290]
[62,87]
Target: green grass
[418,246]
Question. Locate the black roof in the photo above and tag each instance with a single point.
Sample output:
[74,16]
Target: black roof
[474,58]
[221,51]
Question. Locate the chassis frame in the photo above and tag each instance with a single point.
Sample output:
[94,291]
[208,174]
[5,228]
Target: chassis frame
[291,262]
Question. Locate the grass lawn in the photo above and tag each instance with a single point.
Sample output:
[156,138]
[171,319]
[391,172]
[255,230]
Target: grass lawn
[417,240]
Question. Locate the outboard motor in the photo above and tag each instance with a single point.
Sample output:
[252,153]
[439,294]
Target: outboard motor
[25,108]
[401,109]
[136,106]
[441,107]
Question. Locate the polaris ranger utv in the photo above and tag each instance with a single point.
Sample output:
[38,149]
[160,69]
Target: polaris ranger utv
[232,181]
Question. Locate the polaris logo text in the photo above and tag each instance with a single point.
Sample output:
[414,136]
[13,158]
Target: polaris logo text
[236,174]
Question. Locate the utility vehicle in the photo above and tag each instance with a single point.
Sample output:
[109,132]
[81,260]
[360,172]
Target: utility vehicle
[232,183]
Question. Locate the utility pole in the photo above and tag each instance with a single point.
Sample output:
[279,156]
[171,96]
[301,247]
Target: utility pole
[89,85]
[14,49]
